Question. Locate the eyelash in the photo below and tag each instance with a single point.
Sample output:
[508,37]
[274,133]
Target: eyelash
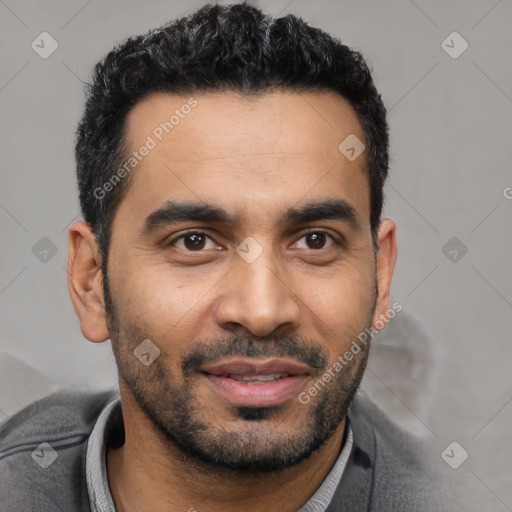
[189,233]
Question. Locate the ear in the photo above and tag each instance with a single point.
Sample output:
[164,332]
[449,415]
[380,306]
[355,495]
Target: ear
[85,282]
[386,258]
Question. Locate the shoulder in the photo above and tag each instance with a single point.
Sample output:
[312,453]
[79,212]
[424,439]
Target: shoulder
[398,447]
[388,469]
[42,451]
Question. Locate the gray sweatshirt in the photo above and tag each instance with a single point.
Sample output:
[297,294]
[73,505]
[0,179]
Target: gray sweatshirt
[384,472]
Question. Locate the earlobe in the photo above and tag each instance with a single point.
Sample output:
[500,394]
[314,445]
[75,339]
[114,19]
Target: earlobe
[386,258]
[85,282]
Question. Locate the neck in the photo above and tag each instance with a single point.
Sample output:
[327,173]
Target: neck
[146,470]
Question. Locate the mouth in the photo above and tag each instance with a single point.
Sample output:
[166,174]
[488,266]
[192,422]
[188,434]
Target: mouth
[255,382]
[254,379]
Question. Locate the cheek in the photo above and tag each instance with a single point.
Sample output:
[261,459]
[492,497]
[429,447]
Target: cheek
[340,307]
[157,303]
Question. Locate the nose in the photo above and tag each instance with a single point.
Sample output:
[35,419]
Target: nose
[257,300]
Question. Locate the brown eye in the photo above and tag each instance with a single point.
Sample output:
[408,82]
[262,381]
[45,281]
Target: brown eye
[193,242]
[315,240]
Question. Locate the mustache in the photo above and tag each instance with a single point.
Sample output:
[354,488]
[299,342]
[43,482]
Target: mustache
[303,351]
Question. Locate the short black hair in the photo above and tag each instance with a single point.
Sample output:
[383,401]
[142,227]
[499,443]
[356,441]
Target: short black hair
[234,47]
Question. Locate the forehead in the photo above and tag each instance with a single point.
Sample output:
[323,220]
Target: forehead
[242,153]
[223,123]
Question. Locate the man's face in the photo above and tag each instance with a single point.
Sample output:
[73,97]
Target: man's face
[243,244]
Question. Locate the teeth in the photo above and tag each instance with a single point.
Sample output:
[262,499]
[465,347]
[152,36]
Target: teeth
[257,378]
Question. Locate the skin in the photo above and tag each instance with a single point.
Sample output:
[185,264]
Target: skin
[255,158]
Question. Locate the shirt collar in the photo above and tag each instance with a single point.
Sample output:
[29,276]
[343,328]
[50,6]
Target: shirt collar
[109,425]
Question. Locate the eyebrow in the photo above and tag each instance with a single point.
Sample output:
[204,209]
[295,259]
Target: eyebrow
[172,212]
[330,209]
[175,212]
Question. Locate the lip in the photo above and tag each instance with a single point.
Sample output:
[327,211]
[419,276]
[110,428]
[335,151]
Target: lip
[248,366]
[264,394]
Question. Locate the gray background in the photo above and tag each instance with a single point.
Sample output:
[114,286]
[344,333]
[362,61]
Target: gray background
[442,368]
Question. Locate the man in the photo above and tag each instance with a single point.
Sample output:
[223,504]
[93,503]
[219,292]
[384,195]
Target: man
[231,169]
